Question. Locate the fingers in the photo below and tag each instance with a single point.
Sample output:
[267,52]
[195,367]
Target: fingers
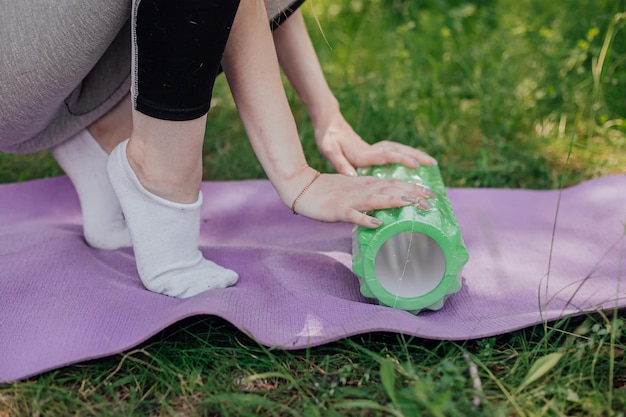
[341,198]
[376,202]
[362,219]
[387,152]
[345,149]
[393,157]
[392,195]
[384,153]
[341,164]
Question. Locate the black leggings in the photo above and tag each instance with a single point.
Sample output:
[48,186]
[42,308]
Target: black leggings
[177,50]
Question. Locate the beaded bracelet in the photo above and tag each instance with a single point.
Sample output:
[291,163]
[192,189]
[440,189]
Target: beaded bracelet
[293,206]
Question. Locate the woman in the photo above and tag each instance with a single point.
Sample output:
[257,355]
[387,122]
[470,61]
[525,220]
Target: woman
[74,76]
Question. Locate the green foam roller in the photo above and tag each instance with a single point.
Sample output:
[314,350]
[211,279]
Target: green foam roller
[414,260]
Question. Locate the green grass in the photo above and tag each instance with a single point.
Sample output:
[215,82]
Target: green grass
[503,93]
[206,367]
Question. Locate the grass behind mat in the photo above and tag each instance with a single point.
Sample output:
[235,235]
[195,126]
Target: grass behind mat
[505,94]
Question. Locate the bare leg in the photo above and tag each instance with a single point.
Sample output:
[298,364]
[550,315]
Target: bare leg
[166,156]
[113,127]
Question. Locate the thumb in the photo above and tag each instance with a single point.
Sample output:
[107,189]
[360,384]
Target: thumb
[341,164]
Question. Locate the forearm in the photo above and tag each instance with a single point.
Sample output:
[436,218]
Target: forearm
[300,64]
[251,68]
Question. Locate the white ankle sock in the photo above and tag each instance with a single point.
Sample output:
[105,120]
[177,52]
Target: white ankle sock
[84,162]
[165,236]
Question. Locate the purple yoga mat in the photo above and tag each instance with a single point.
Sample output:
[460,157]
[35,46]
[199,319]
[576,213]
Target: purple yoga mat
[62,302]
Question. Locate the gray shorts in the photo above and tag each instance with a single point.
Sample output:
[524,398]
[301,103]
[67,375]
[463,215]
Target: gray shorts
[64,64]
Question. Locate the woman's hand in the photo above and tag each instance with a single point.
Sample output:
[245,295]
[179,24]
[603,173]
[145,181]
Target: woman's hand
[336,140]
[346,150]
[336,197]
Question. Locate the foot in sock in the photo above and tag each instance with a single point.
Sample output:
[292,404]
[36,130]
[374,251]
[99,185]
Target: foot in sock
[165,236]
[84,162]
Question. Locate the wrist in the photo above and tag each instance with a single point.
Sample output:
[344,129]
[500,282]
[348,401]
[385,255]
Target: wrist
[324,112]
[289,184]
[304,190]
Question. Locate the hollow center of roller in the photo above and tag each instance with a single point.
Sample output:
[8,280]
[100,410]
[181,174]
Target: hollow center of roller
[410,264]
